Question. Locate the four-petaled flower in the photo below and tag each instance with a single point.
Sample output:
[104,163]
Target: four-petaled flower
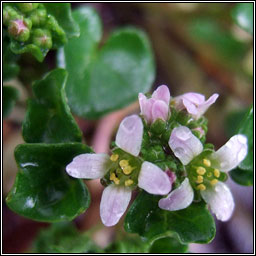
[123,170]
[157,106]
[204,172]
[194,103]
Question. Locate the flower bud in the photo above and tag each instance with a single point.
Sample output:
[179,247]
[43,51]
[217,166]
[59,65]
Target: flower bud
[19,30]
[27,7]
[10,14]
[42,38]
[158,127]
[38,17]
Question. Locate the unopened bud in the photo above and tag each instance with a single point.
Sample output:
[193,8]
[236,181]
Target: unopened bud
[27,7]
[158,127]
[42,38]
[10,14]
[19,30]
[38,17]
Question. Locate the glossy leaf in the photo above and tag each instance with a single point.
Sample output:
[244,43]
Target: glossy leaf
[62,13]
[243,16]
[109,78]
[10,95]
[168,245]
[43,191]
[192,225]
[64,238]
[245,168]
[48,118]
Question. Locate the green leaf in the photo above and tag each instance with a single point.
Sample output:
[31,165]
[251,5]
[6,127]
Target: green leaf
[62,13]
[243,16]
[48,118]
[168,245]
[64,238]
[10,95]
[128,245]
[43,191]
[244,173]
[109,78]
[242,177]
[191,225]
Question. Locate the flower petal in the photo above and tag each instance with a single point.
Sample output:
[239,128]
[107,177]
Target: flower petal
[162,93]
[202,108]
[114,202]
[184,144]
[129,135]
[232,153]
[220,200]
[154,180]
[88,166]
[160,110]
[179,198]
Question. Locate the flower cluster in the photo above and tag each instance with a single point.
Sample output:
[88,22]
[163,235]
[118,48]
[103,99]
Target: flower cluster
[161,149]
[30,23]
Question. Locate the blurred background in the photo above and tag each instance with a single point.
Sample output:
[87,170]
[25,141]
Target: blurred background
[198,47]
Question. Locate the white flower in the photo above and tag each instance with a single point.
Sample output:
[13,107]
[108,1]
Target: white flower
[204,173]
[194,103]
[157,106]
[123,171]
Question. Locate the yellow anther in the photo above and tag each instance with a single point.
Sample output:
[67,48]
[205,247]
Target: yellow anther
[201,170]
[214,181]
[200,179]
[117,181]
[216,173]
[123,163]
[128,182]
[201,187]
[127,169]
[207,162]
[114,157]
[112,176]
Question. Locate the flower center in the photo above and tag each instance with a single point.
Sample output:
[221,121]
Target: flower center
[203,175]
[124,170]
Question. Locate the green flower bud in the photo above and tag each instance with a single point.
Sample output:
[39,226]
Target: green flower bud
[158,127]
[10,14]
[27,7]
[19,30]
[28,23]
[42,38]
[155,153]
[38,17]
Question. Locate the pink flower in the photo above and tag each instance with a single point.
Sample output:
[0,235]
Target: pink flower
[186,147]
[117,195]
[194,103]
[157,106]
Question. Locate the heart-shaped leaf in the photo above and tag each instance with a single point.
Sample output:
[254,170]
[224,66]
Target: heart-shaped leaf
[244,173]
[194,224]
[43,191]
[109,78]
[48,118]
[10,95]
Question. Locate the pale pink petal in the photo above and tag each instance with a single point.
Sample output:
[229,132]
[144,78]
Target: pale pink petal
[88,166]
[194,97]
[129,135]
[202,108]
[220,199]
[153,180]
[114,202]
[190,107]
[162,93]
[142,102]
[160,110]
[232,153]
[184,144]
[178,199]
